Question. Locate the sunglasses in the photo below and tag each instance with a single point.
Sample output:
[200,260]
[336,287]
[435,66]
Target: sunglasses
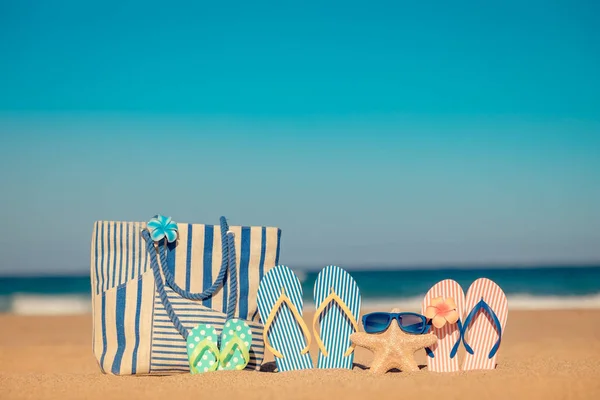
[412,323]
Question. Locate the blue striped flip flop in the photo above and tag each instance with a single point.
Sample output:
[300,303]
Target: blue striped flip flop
[280,308]
[337,299]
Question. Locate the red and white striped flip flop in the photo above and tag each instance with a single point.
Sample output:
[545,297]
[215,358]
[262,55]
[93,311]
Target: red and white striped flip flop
[484,324]
[437,306]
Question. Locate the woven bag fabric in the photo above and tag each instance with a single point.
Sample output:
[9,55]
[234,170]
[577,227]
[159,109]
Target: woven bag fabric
[145,297]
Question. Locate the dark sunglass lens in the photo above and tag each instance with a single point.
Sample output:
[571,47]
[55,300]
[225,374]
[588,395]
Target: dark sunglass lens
[411,323]
[376,322]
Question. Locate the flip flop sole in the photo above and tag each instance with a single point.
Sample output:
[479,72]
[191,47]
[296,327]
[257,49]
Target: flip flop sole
[285,335]
[235,359]
[334,326]
[206,362]
[449,334]
[481,334]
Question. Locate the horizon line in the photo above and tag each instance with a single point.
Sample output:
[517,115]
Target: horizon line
[362,267]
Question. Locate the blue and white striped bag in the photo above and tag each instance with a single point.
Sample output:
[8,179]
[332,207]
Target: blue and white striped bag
[145,299]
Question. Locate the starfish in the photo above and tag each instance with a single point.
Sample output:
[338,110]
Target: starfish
[393,348]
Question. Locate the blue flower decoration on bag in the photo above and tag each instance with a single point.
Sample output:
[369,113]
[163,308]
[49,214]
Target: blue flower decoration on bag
[161,227]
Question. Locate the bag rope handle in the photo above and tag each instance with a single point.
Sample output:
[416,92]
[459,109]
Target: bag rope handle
[170,280]
[232,302]
[160,288]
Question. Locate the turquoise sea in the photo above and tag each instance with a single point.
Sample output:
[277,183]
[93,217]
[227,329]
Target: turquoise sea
[526,288]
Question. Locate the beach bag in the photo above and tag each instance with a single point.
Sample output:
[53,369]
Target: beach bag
[147,296]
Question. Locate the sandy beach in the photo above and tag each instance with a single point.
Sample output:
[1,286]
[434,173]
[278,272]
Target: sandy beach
[544,355]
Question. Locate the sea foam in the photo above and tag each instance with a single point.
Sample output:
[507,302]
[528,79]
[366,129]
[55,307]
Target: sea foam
[26,304]
[515,302]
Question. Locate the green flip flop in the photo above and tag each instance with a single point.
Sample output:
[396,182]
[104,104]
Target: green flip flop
[202,349]
[236,341]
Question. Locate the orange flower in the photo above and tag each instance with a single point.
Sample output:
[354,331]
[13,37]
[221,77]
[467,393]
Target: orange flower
[441,312]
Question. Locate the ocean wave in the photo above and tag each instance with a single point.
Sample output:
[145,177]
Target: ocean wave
[27,304]
[515,302]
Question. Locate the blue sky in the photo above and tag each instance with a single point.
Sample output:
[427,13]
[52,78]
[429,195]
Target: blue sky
[389,133]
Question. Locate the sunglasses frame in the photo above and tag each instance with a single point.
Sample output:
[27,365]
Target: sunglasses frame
[396,316]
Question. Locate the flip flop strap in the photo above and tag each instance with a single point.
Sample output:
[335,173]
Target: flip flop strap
[456,345]
[460,339]
[236,341]
[284,299]
[333,297]
[201,347]
[482,305]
